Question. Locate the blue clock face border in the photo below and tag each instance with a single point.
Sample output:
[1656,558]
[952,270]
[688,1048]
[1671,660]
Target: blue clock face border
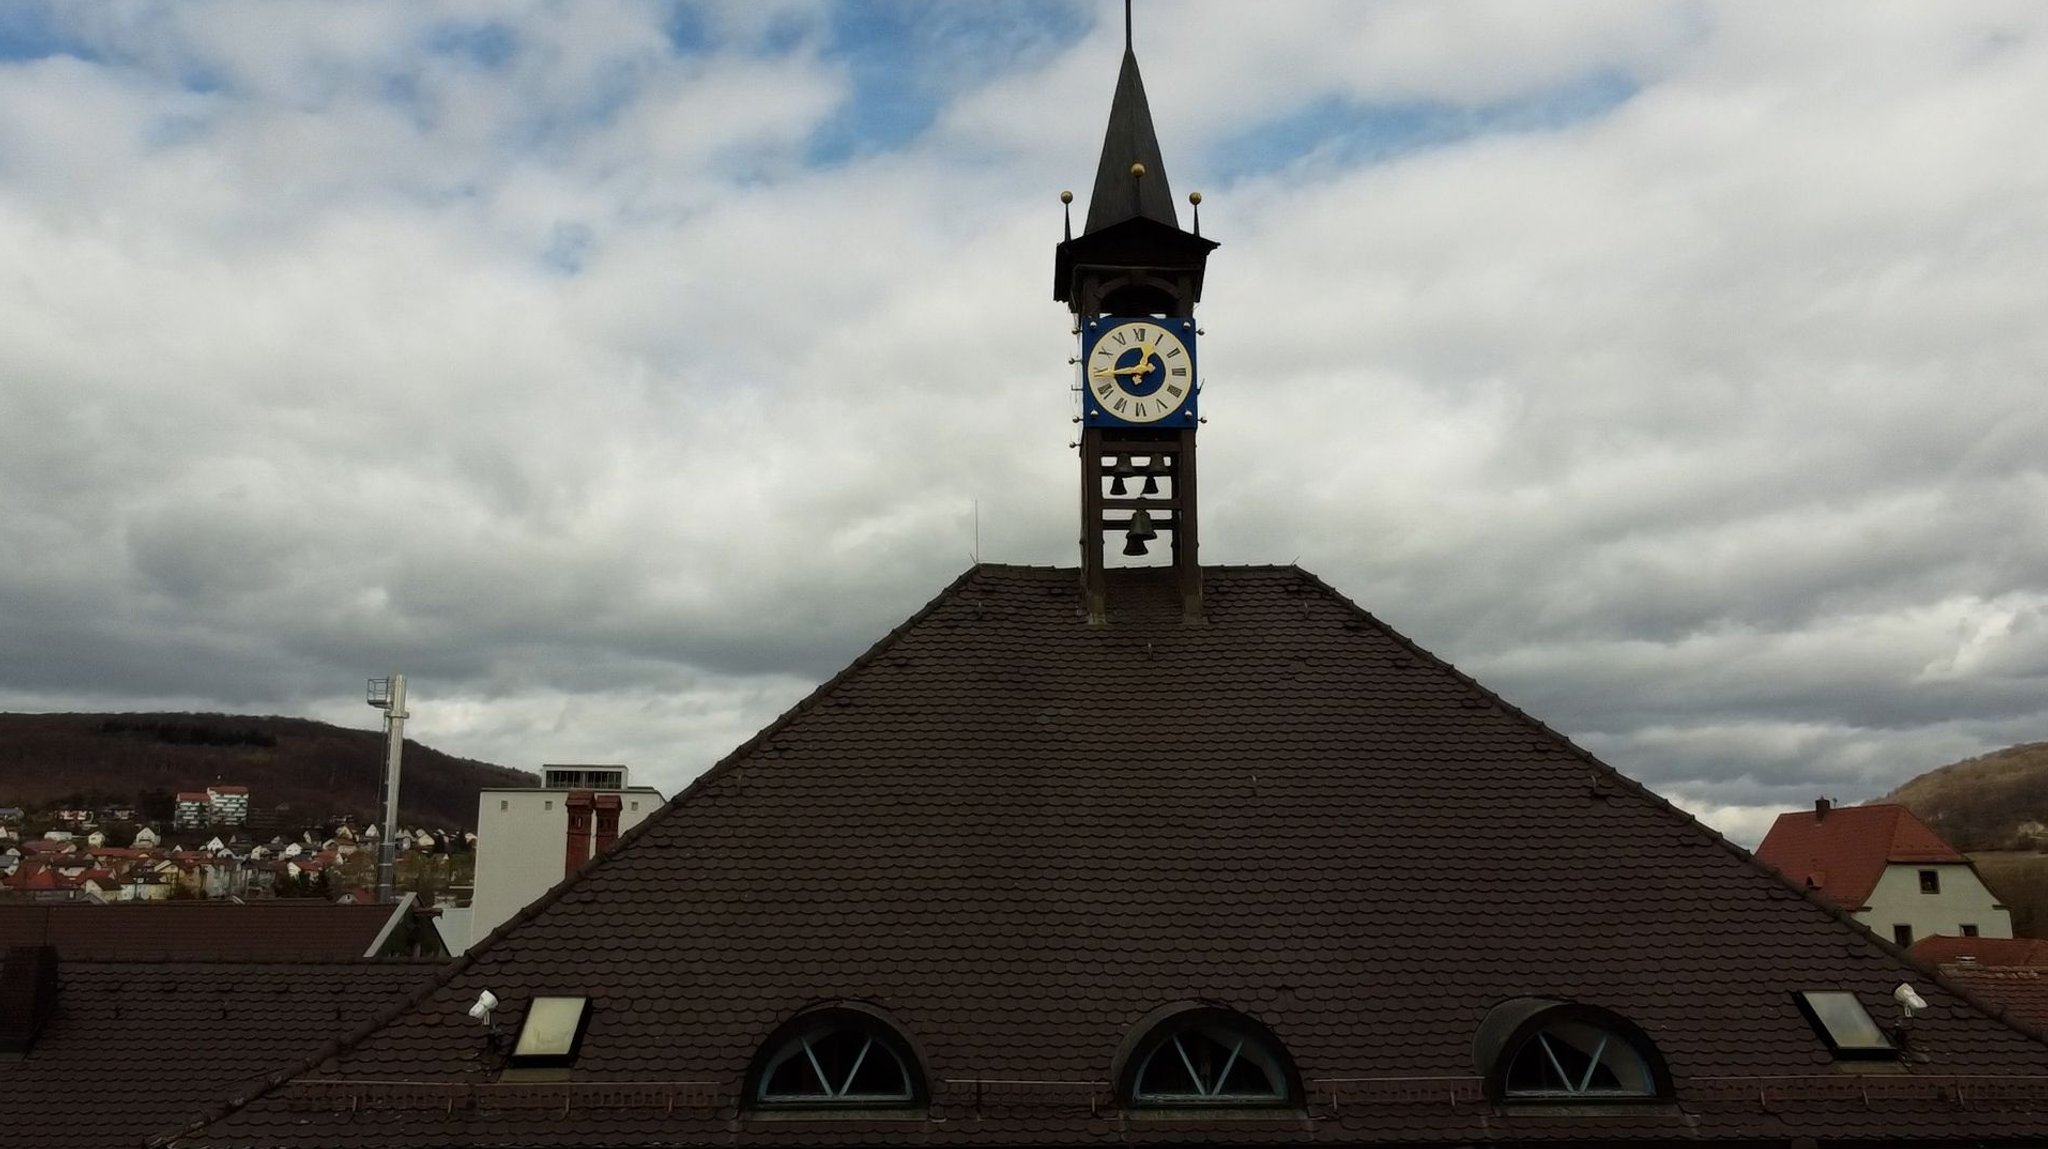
[1138,371]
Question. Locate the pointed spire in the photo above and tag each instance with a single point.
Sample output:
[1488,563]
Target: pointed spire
[1128,146]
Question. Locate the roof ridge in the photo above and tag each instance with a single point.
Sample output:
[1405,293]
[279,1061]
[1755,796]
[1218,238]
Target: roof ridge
[384,1017]
[1712,835]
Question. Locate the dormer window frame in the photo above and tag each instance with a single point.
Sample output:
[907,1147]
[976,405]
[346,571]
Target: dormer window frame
[1209,1048]
[1567,1045]
[806,1041]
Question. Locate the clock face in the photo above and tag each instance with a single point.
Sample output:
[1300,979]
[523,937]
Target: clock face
[1138,372]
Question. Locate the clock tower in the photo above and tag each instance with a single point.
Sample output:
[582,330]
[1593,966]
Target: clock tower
[1132,278]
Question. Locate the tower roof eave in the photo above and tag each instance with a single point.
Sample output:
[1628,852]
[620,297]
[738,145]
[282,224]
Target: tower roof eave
[1136,242]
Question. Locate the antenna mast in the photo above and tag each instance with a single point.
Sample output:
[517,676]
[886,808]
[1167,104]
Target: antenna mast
[388,695]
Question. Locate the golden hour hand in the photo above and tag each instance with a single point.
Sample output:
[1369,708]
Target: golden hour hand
[1138,368]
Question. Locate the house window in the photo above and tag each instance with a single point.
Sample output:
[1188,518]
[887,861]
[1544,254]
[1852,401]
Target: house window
[1930,881]
[549,804]
[504,804]
[837,1057]
[1207,1057]
[1969,931]
[1538,1050]
[1903,935]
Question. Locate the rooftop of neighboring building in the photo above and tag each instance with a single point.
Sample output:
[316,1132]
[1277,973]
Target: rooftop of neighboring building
[271,929]
[1943,949]
[132,1046]
[1842,851]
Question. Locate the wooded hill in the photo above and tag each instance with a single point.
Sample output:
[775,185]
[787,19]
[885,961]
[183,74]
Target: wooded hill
[1985,803]
[1994,808]
[313,769]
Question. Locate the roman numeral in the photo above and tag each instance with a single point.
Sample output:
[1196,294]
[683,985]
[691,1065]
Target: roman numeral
[1102,390]
[1118,336]
[1174,353]
[1118,405]
[1173,391]
[1141,410]
[1180,371]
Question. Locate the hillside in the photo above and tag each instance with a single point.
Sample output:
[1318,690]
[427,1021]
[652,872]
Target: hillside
[317,770]
[1984,803]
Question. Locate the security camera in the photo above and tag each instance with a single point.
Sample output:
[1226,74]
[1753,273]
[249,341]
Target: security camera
[485,1003]
[1910,1003]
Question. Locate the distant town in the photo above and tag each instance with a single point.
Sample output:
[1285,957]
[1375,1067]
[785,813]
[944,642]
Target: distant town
[203,844]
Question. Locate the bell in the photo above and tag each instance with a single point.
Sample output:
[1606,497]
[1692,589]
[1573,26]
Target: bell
[1123,470]
[1151,484]
[1140,531]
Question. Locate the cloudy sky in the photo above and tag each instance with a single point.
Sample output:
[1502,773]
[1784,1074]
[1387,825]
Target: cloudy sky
[619,371]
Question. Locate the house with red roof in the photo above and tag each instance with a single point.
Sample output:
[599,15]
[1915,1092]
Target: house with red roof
[1883,864]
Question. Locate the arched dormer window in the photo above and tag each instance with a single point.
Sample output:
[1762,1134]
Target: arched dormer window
[1198,1056]
[1535,1049]
[836,1056]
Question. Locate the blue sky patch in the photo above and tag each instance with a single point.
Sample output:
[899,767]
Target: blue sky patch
[29,31]
[487,45]
[907,60]
[1351,134]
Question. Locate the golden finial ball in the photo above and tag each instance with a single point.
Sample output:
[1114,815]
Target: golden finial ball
[1137,170]
[1066,197]
[1195,198]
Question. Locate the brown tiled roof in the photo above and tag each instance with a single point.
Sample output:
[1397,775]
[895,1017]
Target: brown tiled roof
[1018,835]
[2022,991]
[287,928]
[1844,853]
[1942,949]
[134,1046]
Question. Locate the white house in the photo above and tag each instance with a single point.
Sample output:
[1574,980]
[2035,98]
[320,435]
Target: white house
[1883,864]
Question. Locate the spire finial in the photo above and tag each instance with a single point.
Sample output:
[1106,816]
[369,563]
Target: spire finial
[1127,25]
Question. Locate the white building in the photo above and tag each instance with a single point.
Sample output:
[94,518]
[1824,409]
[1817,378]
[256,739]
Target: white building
[228,805]
[1887,867]
[192,810]
[529,839]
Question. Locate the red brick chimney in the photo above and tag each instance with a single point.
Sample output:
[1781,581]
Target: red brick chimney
[1821,806]
[576,850]
[607,822]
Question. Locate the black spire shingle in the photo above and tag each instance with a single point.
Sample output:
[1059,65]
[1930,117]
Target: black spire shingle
[1130,139]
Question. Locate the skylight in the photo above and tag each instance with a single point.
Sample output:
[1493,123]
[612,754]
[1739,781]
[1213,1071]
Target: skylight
[551,1031]
[1839,1017]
